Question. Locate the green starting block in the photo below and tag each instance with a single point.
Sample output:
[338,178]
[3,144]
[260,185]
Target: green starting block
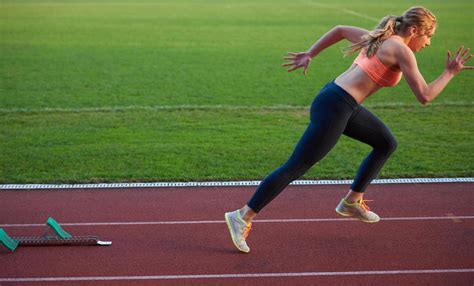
[7,241]
[60,237]
[57,228]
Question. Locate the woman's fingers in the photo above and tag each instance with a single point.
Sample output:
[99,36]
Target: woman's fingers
[458,51]
[467,59]
[297,60]
[464,53]
[294,68]
[305,68]
[461,57]
[287,64]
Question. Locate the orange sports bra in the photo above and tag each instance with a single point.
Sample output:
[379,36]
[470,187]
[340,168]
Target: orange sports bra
[377,71]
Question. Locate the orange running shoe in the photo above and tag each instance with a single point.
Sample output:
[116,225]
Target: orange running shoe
[358,210]
[239,230]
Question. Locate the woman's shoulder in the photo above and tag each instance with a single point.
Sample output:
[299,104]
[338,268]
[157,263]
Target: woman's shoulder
[394,45]
[395,41]
[391,50]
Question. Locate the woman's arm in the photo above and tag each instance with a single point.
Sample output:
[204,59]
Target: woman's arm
[336,34]
[352,34]
[428,92]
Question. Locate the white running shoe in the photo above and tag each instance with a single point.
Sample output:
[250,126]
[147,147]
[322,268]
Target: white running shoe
[239,230]
[358,210]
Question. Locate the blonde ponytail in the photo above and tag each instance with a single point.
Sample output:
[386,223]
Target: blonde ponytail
[372,41]
[389,25]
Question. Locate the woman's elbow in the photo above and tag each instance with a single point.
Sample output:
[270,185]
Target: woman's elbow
[423,99]
[422,95]
[338,30]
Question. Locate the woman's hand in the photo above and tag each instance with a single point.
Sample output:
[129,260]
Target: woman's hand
[298,60]
[456,63]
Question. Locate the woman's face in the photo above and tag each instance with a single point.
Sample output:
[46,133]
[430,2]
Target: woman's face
[421,40]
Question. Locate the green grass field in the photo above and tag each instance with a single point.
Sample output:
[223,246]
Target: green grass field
[113,91]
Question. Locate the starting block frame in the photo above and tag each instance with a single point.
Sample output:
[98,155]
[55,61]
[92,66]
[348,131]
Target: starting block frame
[59,237]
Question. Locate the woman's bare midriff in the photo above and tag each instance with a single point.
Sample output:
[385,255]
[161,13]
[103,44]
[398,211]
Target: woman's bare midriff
[357,83]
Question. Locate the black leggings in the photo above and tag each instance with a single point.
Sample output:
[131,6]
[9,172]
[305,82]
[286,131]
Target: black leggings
[334,112]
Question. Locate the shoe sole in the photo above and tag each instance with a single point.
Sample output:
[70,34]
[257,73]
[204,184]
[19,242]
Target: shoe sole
[357,218]
[227,221]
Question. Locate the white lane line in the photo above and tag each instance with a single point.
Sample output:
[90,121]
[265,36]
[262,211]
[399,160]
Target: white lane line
[218,107]
[243,275]
[351,12]
[347,11]
[298,220]
[150,108]
[32,187]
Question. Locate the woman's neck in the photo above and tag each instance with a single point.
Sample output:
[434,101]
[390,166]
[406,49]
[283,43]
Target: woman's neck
[405,39]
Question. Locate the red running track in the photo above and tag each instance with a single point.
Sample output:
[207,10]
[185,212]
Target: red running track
[426,234]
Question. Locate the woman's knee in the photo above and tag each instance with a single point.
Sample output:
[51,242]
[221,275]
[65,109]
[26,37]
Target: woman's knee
[390,145]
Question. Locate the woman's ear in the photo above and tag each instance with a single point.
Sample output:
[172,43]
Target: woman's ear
[413,31]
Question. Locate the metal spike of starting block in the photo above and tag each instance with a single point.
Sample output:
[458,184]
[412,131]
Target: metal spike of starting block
[61,237]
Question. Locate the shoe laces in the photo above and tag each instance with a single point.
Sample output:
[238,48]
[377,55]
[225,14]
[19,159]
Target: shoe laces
[364,205]
[247,229]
